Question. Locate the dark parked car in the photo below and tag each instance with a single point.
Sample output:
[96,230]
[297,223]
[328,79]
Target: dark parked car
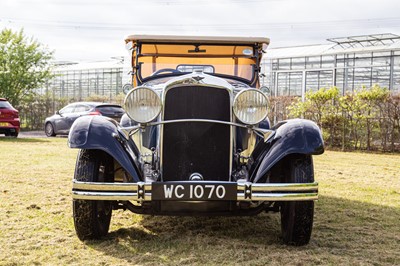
[195,140]
[9,119]
[62,120]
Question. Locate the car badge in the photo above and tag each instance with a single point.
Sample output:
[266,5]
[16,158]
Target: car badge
[247,51]
[198,78]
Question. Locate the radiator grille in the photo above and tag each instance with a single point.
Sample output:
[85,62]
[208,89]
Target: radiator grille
[200,147]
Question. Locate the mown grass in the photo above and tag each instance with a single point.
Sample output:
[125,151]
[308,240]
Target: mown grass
[357,219]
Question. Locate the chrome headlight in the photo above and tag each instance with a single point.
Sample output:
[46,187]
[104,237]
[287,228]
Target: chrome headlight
[250,106]
[142,104]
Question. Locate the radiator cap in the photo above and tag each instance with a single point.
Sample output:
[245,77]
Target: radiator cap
[196,177]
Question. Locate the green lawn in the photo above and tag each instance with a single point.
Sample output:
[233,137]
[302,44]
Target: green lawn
[357,219]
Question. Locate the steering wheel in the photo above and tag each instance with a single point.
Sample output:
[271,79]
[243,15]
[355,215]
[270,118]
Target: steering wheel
[170,70]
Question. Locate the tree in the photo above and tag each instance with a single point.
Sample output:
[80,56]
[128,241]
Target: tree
[320,107]
[374,98]
[24,66]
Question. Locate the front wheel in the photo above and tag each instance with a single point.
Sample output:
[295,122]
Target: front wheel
[297,216]
[92,217]
[49,130]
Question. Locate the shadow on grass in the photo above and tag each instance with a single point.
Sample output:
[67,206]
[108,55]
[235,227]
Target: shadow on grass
[344,232]
[22,140]
[172,228]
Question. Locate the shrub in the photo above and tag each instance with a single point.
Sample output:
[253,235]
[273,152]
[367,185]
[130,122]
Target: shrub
[365,119]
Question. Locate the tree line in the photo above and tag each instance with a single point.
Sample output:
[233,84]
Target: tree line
[366,119]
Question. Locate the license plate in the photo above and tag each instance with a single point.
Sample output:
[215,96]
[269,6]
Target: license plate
[3,124]
[190,191]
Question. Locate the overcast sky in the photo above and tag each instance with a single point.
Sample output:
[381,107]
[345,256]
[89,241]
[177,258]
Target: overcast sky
[95,30]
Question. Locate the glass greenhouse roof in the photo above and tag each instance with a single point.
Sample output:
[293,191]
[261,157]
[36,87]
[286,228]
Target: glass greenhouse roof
[344,45]
[365,40]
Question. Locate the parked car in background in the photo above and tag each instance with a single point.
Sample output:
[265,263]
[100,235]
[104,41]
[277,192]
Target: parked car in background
[62,120]
[9,119]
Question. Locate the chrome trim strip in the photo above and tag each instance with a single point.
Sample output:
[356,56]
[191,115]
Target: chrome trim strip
[192,120]
[261,130]
[246,191]
[109,186]
[279,187]
[85,195]
[199,120]
[278,197]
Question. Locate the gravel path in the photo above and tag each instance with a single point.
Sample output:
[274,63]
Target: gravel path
[31,134]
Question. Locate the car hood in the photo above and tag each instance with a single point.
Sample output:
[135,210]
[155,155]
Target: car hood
[195,78]
[52,117]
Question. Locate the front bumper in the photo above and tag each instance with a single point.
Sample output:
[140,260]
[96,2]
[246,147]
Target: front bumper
[245,191]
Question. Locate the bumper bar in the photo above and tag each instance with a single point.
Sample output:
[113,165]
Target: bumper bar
[245,191]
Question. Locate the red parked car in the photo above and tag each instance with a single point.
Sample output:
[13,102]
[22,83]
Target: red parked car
[9,119]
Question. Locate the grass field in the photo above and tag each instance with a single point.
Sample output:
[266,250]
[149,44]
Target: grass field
[357,219]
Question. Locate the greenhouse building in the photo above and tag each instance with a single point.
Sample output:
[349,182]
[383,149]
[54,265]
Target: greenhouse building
[80,80]
[349,63]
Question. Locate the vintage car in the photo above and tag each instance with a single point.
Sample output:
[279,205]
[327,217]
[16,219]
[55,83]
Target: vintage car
[195,140]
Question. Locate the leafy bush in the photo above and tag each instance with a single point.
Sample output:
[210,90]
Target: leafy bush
[366,119]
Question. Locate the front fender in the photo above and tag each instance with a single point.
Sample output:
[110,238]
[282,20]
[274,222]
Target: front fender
[291,136]
[100,133]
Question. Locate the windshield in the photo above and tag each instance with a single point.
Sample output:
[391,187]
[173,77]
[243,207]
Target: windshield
[155,60]
[5,105]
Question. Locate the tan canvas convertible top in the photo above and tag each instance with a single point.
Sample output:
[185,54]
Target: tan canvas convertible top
[194,39]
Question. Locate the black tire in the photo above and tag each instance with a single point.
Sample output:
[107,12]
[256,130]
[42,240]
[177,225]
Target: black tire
[297,216]
[11,134]
[49,130]
[92,218]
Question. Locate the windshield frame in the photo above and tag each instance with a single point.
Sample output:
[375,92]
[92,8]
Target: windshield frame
[255,68]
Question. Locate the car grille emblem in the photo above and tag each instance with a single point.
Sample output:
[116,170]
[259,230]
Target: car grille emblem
[197,78]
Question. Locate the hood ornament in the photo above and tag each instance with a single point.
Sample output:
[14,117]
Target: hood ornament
[199,73]
[197,78]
